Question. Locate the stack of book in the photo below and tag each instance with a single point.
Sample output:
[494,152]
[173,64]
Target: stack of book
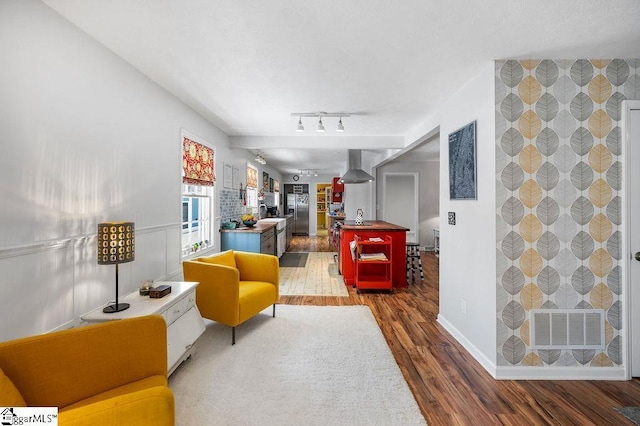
[372,256]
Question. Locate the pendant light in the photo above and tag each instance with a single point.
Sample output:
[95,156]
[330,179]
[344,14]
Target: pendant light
[340,127]
[300,126]
[320,126]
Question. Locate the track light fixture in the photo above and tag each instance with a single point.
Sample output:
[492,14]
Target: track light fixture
[260,158]
[320,115]
[308,172]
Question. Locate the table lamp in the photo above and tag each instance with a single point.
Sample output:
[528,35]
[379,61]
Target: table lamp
[116,244]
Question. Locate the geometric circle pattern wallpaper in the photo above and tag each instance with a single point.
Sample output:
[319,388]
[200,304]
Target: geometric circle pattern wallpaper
[559,200]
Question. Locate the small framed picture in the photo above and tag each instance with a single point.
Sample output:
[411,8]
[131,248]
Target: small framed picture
[236,178]
[228,176]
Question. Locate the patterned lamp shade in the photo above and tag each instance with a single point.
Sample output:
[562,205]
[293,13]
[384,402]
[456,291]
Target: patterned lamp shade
[116,243]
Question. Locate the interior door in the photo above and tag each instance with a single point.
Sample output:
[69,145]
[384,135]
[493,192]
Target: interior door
[401,202]
[632,127]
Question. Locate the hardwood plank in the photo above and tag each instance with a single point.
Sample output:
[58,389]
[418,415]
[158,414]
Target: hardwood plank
[450,386]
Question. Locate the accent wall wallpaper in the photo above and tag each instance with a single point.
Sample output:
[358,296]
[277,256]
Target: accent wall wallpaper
[559,201]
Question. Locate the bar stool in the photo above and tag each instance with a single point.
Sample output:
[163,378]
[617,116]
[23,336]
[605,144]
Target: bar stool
[413,261]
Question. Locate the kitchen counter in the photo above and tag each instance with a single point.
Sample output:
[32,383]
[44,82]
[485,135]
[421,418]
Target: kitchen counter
[372,225]
[257,228]
[379,229]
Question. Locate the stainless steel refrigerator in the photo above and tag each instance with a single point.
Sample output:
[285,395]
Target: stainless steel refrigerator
[298,206]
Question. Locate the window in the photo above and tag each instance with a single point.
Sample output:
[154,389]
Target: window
[198,178]
[197,205]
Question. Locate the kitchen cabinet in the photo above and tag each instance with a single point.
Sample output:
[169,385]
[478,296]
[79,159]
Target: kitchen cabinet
[373,263]
[280,240]
[374,228]
[289,230]
[337,191]
[268,242]
[259,239]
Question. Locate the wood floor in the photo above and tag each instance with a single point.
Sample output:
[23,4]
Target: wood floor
[450,387]
[320,277]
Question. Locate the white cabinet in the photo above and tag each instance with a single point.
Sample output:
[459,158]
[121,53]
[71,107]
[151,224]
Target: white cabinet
[179,310]
[181,336]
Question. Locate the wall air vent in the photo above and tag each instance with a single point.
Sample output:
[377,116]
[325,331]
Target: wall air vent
[567,329]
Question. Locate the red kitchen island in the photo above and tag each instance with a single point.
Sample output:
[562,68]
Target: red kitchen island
[373,229]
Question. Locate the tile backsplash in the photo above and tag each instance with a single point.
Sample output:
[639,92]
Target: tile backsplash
[231,206]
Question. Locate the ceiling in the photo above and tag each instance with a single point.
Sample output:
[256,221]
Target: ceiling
[247,65]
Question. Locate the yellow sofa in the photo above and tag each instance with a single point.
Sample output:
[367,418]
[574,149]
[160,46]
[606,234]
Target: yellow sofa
[234,285]
[113,373]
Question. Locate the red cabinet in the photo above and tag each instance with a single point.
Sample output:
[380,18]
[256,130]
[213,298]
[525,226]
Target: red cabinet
[374,228]
[337,190]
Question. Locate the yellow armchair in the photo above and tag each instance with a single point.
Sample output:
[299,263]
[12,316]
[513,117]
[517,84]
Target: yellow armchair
[113,373]
[234,285]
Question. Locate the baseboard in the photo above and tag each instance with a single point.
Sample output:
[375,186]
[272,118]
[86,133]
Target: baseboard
[533,373]
[560,373]
[486,363]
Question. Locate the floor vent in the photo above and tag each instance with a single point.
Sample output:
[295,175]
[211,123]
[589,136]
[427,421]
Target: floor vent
[567,329]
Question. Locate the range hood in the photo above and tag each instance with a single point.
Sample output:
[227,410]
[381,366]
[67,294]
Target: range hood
[355,174]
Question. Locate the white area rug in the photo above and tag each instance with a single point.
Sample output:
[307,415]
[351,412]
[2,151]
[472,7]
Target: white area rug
[311,365]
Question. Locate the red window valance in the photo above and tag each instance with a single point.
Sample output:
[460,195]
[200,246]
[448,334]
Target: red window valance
[252,177]
[197,163]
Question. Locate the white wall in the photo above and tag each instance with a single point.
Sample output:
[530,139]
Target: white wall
[85,138]
[240,158]
[359,196]
[467,250]
[429,194]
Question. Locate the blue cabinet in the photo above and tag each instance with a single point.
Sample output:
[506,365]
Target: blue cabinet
[258,241]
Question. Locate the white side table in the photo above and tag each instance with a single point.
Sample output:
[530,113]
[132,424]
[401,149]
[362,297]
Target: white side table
[179,310]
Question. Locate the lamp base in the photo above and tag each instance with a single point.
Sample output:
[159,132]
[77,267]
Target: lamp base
[112,309]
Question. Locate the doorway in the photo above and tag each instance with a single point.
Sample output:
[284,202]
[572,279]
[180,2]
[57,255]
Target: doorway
[631,138]
[323,201]
[401,201]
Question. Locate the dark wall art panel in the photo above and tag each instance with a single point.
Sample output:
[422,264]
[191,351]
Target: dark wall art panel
[462,163]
